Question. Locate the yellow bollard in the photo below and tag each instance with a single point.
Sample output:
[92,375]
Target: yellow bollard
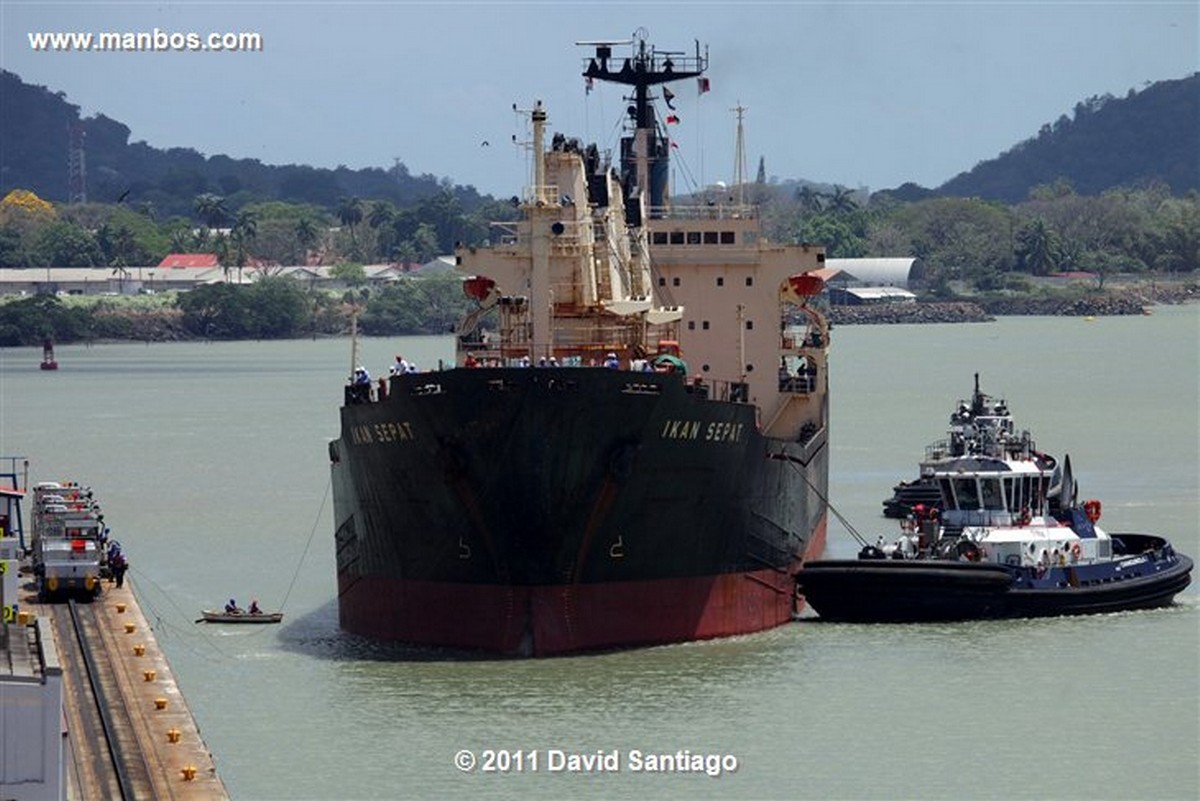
[189,772]
[173,735]
[24,618]
[139,650]
[160,704]
[149,675]
[120,609]
[130,628]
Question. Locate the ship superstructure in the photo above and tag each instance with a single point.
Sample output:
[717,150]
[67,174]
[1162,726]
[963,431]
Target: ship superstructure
[632,448]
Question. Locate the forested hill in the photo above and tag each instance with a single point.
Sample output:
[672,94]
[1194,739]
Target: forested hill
[34,156]
[1151,135]
[1147,136]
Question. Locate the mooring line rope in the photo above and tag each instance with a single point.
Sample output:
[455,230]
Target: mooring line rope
[307,545]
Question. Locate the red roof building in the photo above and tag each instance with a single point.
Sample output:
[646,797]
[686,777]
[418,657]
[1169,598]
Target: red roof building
[193,260]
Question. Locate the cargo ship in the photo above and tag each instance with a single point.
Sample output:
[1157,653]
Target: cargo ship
[632,445]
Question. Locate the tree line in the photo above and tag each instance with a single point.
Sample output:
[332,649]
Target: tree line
[985,246]
[273,307]
[35,233]
[989,245]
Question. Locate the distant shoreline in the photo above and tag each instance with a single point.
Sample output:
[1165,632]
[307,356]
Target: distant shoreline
[1134,299]
[163,324]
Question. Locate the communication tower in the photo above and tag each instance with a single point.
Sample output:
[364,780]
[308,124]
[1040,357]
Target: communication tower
[76,164]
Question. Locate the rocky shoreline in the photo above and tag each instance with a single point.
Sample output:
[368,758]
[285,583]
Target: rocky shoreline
[1128,300]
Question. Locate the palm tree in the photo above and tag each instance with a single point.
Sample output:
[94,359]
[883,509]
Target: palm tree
[121,273]
[380,217]
[1036,247]
[221,248]
[245,229]
[842,200]
[306,234]
[180,240]
[381,213]
[211,209]
[350,212]
[810,200]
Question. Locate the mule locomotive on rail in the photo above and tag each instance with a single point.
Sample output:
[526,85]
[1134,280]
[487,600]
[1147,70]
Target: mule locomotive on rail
[661,478]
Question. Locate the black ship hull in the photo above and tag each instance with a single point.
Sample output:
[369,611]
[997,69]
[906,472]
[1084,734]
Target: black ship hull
[544,511]
[923,590]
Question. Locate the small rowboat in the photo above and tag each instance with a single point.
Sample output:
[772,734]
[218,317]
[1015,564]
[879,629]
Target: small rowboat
[214,616]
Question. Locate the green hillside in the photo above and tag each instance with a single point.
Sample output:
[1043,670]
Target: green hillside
[1151,136]
[36,122]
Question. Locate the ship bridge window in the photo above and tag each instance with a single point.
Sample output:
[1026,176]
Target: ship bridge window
[727,238]
[691,325]
[720,281]
[947,494]
[693,237]
[710,237]
[675,281]
[704,325]
[749,280]
[749,325]
[659,238]
[992,497]
[677,237]
[966,494]
[662,281]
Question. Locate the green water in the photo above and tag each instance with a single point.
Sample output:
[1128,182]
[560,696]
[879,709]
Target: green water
[211,464]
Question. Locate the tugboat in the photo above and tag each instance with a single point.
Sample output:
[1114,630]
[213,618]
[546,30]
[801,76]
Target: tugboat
[660,479]
[1010,540]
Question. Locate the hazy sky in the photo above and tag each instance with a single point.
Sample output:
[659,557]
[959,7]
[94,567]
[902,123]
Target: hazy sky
[857,93]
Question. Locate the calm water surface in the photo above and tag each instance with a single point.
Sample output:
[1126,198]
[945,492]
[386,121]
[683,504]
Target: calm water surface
[211,464]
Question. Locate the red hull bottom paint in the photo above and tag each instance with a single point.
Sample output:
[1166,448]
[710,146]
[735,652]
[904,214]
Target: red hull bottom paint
[546,620]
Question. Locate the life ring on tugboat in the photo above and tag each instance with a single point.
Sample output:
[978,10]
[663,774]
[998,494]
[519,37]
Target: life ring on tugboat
[1092,510]
[1076,551]
[968,551]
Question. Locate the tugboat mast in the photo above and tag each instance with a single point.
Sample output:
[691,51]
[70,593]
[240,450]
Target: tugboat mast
[645,156]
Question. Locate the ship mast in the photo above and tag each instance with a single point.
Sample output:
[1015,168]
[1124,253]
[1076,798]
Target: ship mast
[739,156]
[645,155]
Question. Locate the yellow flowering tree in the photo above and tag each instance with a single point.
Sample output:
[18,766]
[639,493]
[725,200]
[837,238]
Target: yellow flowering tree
[25,211]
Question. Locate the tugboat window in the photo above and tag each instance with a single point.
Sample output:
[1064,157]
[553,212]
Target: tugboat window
[693,237]
[677,237]
[727,238]
[992,499]
[965,491]
[948,494]
[710,237]
[660,237]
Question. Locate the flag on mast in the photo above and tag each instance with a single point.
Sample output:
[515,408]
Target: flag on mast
[668,96]
[702,84]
